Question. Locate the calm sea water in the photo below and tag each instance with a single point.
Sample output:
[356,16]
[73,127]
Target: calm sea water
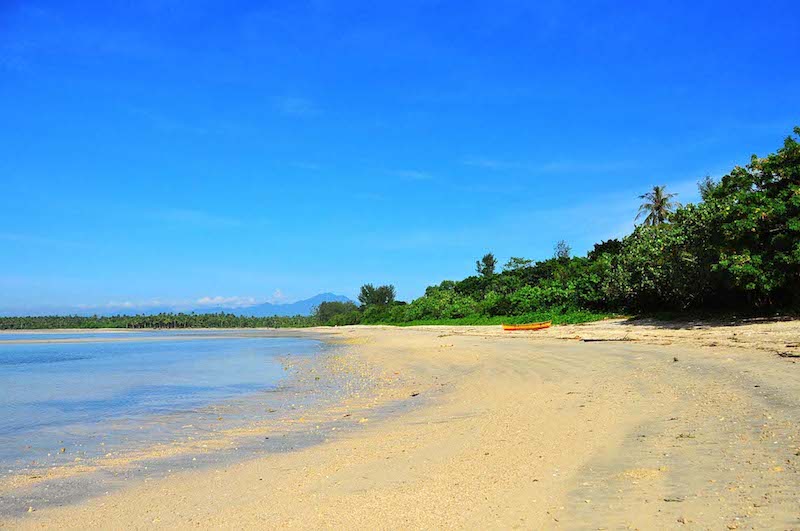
[75,394]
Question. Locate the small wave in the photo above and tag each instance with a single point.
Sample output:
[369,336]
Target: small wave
[33,360]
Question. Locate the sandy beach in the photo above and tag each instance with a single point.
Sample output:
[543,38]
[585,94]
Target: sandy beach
[602,426]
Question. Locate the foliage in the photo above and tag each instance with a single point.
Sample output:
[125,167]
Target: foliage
[331,311]
[161,320]
[659,267]
[657,207]
[486,265]
[562,251]
[514,263]
[738,249]
[558,317]
[756,228]
[380,296]
[706,187]
[607,247]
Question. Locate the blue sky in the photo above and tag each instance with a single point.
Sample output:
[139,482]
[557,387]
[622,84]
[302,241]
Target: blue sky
[175,151]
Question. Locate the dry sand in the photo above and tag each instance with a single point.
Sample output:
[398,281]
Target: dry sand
[694,426]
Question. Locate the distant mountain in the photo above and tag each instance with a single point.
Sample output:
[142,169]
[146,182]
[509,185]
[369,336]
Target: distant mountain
[304,307]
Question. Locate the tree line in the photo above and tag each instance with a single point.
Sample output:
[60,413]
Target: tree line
[161,320]
[738,249]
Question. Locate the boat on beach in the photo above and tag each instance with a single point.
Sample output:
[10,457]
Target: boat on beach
[528,326]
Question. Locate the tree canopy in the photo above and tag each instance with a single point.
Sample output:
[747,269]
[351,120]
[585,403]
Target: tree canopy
[486,266]
[376,296]
[657,206]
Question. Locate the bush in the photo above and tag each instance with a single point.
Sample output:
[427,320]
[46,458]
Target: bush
[328,311]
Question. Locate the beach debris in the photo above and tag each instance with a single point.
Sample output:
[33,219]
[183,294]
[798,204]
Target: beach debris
[597,339]
[63,450]
[681,520]
[789,354]
[31,509]
[674,499]
[414,394]
[674,360]
[362,420]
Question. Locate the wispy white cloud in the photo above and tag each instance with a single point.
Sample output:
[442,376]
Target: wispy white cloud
[33,30]
[44,241]
[123,305]
[608,215]
[227,302]
[412,175]
[306,165]
[491,164]
[169,122]
[573,166]
[556,166]
[296,106]
[369,196]
[166,123]
[197,218]
[277,297]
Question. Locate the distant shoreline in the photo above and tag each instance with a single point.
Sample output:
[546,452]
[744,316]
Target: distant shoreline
[239,332]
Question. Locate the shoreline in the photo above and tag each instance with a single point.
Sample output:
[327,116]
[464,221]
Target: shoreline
[300,413]
[540,431]
[191,334]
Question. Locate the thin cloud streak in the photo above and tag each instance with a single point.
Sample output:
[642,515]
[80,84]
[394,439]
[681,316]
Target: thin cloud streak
[33,239]
[557,166]
[412,175]
[227,302]
[296,106]
[195,218]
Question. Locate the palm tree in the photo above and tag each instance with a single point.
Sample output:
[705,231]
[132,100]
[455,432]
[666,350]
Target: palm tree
[658,206]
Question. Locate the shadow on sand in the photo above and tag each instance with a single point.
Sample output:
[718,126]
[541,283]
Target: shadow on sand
[705,321]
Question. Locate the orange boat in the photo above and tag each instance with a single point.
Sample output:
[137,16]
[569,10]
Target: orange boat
[529,326]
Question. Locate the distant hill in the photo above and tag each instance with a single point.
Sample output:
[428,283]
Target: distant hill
[304,307]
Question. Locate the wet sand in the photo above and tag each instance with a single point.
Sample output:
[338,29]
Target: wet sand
[687,425]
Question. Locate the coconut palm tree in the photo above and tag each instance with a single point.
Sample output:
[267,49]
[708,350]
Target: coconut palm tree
[657,207]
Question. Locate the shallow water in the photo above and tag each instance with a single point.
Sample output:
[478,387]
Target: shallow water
[89,397]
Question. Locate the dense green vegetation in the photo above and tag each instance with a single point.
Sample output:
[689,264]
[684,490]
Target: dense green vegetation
[162,320]
[736,250]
